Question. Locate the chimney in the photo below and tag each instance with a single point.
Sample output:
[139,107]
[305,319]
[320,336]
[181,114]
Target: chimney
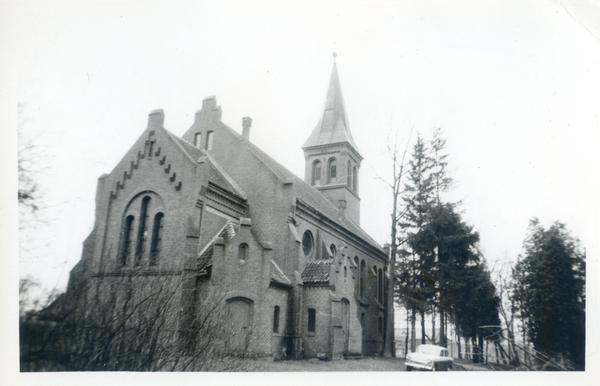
[246,124]
[156,119]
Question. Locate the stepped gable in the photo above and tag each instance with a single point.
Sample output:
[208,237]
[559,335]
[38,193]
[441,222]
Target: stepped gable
[304,191]
[317,271]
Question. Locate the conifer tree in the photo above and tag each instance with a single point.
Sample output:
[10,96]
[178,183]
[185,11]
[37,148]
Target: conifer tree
[551,292]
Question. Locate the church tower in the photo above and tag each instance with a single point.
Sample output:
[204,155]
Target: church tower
[332,157]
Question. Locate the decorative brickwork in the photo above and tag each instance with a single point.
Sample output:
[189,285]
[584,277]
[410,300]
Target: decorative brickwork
[225,218]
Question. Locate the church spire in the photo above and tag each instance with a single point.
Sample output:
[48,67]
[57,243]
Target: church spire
[332,160]
[333,126]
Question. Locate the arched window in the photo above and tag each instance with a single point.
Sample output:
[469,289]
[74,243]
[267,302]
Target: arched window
[357,277]
[209,140]
[349,176]
[354,180]
[316,173]
[345,273]
[126,239]
[197,140]
[380,285]
[142,230]
[331,171]
[156,238]
[307,243]
[276,319]
[332,249]
[363,273]
[243,252]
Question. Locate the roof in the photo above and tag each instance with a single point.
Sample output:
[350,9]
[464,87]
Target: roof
[219,177]
[192,151]
[333,126]
[304,191]
[317,271]
[277,275]
[227,232]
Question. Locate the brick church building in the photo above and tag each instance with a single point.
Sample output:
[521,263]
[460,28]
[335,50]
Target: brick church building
[300,278]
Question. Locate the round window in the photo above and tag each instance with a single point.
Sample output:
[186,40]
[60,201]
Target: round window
[307,243]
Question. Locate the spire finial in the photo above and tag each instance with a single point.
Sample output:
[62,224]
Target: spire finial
[334,56]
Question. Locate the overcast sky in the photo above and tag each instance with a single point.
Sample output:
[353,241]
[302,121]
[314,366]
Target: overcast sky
[513,85]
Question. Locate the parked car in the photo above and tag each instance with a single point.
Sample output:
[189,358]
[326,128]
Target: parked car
[429,357]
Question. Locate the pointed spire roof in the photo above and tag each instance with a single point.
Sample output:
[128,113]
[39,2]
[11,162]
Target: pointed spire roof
[333,126]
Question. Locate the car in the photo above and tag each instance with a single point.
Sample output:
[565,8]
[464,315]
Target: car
[429,357]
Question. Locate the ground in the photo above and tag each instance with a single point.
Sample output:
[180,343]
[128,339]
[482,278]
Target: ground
[362,364]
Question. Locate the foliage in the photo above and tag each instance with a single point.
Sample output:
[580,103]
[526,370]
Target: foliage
[130,327]
[551,292]
[440,267]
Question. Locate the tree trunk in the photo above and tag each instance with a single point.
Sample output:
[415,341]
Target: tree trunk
[459,346]
[433,327]
[442,328]
[423,327]
[407,333]
[413,338]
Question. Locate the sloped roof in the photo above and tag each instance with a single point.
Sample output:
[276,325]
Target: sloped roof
[312,197]
[278,276]
[303,190]
[218,176]
[333,126]
[277,168]
[227,232]
[317,271]
[192,151]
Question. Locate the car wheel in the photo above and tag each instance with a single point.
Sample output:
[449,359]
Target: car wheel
[408,368]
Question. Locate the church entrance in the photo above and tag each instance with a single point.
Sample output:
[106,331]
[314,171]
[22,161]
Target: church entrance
[240,323]
[346,323]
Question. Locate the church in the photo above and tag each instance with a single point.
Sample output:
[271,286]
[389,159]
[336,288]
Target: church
[299,277]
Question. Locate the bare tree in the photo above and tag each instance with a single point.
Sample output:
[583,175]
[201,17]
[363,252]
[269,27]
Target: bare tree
[502,276]
[398,162]
[130,323]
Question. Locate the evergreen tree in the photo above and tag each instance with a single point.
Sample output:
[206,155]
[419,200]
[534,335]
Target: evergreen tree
[415,289]
[551,292]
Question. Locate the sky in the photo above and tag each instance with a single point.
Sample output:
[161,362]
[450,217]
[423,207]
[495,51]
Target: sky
[513,85]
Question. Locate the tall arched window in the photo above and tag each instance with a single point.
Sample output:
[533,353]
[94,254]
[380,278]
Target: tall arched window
[363,273]
[156,238]
[357,278]
[349,176]
[354,180]
[331,171]
[197,140]
[126,239]
[316,173]
[142,230]
[209,140]
[307,243]
[380,285]
[243,252]
[345,273]
[276,319]
[333,250]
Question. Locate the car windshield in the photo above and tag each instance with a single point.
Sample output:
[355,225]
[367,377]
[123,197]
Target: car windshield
[428,350]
